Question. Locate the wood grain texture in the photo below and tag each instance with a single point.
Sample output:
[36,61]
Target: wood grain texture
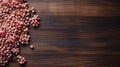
[74,33]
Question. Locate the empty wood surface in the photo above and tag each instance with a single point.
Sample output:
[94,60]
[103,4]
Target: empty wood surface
[74,33]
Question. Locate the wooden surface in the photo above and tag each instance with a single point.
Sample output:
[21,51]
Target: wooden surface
[74,33]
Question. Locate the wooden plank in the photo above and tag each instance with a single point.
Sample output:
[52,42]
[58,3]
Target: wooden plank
[74,33]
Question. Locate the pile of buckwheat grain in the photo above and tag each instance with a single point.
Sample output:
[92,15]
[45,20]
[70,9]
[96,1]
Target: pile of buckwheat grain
[15,18]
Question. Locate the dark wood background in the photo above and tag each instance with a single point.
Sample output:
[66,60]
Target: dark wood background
[74,33]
